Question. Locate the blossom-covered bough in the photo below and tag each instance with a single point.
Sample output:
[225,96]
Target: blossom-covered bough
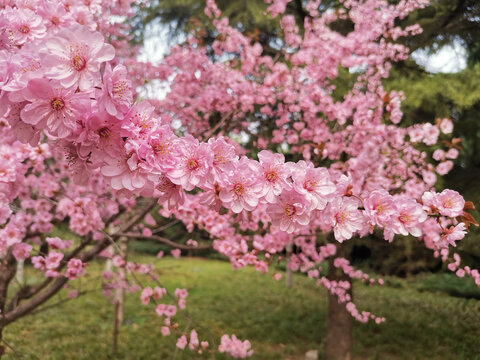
[331,165]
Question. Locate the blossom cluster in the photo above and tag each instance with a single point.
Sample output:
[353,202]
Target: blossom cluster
[64,85]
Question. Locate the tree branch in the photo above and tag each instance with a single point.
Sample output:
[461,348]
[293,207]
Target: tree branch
[166,241]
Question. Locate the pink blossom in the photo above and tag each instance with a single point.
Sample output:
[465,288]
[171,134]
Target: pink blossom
[170,310]
[160,309]
[158,150]
[176,253]
[147,293]
[460,273]
[57,243]
[449,203]
[438,155]
[75,268]
[158,292]
[444,167]
[408,218]
[182,342]
[55,13]
[345,218]
[290,212]
[446,125]
[452,153]
[275,174]
[242,189]
[181,293]
[4,213]
[379,207]
[55,107]
[53,259]
[21,251]
[235,347]
[224,157]
[194,162]
[124,172]
[116,95]
[118,261]
[431,133]
[453,234]
[193,344]
[73,56]
[72,294]
[314,182]
[169,193]
[165,330]
[39,262]
[24,25]
[147,232]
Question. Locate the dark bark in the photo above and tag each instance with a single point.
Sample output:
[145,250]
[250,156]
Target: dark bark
[7,272]
[339,338]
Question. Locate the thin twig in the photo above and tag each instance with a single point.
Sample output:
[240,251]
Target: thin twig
[17,355]
[165,241]
[164,227]
[218,125]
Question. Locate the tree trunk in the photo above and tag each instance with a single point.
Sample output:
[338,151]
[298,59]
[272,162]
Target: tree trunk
[289,276]
[2,348]
[119,295]
[19,274]
[7,272]
[339,338]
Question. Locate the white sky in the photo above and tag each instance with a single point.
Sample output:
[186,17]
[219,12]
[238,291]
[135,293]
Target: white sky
[449,59]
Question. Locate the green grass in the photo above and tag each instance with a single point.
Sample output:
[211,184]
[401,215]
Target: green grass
[281,323]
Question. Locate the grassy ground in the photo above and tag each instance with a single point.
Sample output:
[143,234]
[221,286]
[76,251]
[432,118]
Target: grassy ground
[281,323]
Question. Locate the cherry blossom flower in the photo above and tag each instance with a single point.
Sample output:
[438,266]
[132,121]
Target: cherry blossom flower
[73,56]
[24,25]
[242,189]
[314,183]
[345,218]
[408,218]
[193,164]
[147,293]
[446,125]
[379,207]
[116,95]
[274,173]
[449,203]
[21,251]
[182,342]
[291,211]
[454,233]
[56,107]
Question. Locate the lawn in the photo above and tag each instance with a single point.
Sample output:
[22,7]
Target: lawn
[281,323]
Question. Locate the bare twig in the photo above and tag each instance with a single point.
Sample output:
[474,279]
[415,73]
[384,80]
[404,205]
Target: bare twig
[166,241]
[164,227]
[218,125]
[17,355]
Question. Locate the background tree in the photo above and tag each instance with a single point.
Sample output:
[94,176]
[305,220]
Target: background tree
[427,95]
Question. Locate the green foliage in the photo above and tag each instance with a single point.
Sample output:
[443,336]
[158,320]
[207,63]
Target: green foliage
[281,323]
[429,96]
[450,284]
[445,21]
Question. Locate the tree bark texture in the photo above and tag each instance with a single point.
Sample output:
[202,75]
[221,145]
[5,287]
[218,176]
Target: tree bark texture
[339,338]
